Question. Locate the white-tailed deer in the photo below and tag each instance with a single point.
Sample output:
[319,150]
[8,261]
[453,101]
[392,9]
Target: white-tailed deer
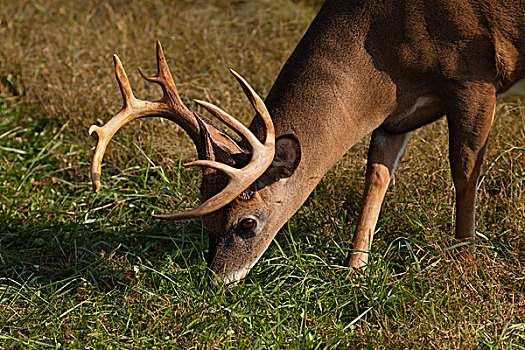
[386,67]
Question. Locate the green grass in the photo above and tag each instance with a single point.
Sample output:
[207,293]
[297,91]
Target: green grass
[84,270]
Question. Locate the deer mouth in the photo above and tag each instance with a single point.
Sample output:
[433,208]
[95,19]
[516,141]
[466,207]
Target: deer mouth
[231,278]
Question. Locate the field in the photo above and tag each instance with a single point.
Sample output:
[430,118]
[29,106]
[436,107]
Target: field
[85,270]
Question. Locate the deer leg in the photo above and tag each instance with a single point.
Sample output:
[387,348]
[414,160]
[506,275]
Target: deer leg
[383,154]
[470,120]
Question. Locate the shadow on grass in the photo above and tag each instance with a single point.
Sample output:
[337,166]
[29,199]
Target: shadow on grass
[55,251]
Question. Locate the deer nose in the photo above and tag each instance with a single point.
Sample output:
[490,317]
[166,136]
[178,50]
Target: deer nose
[229,278]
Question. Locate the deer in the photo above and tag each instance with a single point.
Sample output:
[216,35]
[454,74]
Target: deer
[385,67]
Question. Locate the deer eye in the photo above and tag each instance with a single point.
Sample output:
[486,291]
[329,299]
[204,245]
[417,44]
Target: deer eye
[247,225]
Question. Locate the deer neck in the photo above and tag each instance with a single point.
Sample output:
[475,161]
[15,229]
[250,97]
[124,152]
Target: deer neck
[326,95]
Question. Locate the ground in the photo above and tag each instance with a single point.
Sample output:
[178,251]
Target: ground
[85,270]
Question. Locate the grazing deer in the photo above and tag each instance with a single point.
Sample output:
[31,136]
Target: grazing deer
[386,67]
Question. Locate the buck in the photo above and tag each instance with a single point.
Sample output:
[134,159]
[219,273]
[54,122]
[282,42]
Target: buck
[382,67]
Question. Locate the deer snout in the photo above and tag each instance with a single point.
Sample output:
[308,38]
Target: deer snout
[229,278]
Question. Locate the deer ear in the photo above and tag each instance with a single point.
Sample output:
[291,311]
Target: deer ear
[286,159]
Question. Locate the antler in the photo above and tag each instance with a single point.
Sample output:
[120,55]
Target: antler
[171,107]
[240,179]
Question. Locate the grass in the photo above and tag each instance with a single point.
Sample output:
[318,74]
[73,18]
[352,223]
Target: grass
[79,270]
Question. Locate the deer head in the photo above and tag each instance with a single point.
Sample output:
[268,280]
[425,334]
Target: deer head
[233,171]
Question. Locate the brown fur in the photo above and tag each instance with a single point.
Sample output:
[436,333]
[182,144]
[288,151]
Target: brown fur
[360,66]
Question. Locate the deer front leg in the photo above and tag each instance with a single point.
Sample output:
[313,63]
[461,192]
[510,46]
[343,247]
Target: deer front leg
[383,154]
[470,120]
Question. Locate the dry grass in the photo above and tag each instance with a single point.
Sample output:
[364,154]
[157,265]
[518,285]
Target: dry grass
[58,53]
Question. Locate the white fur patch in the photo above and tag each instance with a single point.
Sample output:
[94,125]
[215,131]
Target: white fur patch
[399,154]
[238,275]
[516,90]
[421,102]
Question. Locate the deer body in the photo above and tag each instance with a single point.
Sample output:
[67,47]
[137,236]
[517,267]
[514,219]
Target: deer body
[386,67]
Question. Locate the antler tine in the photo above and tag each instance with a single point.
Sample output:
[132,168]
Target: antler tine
[106,132]
[231,122]
[163,77]
[228,170]
[211,205]
[123,83]
[259,106]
